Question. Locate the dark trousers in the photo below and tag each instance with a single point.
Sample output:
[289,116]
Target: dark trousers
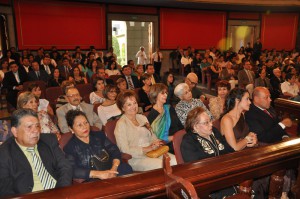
[157,67]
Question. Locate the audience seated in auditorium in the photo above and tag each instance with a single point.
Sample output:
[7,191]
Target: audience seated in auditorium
[233,124]
[131,80]
[150,70]
[162,117]
[202,141]
[96,97]
[91,154]
[13,82]
[109,110]
[144,92]
[30,101]
[74,99]
[19,172]
[289,88]
[134,135]
[263,120]
[246,78]
[55,79]
[217,104]
[187,102]
[77,76]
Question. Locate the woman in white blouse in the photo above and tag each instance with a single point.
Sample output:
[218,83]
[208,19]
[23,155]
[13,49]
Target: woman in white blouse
[108,109]
[97,97]
[134,135]
[112,69]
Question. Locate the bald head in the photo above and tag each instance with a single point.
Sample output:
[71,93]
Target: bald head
[261,97]
[191,80]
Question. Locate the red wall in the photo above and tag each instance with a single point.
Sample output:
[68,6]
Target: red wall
[61,24]
[199,29]
[132,9]
[279,30]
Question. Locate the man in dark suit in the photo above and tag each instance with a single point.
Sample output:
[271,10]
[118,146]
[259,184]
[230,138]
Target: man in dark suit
[246,78]
[26,65]
[101,73]
[36,74]
[131,81]
[155,77]
[46,65]
[13,82]
[31,161]
[65,69]
[275,81]
[262,118]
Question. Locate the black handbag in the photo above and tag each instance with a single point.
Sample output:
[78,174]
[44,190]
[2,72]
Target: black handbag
[100,162]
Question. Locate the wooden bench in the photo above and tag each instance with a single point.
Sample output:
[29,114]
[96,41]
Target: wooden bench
[206,176]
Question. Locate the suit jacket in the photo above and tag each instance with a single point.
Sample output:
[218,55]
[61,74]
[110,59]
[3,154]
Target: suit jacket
[135,80]
[92,117]
[63,73]
[267,128]
[243,78]
[275,82]
[43,76]
[51,67]
[260,82]
[16,172]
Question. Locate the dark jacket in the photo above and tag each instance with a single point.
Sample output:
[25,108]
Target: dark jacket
[16,172]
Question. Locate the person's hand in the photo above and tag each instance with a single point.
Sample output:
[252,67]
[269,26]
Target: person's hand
[107,174]
[287,122]
[251,139]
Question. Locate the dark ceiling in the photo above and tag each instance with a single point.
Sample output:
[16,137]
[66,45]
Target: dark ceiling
[229,5]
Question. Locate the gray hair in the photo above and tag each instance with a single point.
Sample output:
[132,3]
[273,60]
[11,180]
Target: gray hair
[179,89]
[19,114]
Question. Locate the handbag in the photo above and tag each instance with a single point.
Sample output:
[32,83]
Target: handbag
[158,152]
[100,162]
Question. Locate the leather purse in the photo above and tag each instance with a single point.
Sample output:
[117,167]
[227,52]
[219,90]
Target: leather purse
[100,162]
[158,152]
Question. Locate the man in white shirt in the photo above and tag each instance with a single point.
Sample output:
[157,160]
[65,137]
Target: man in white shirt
[141,56]
[186,61]
[289,88]
[157,58]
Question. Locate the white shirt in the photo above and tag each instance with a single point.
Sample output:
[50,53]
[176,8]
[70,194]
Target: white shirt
[142,58]
[112,72]
[155,56]
[107,112]
[186,60]
[290,88]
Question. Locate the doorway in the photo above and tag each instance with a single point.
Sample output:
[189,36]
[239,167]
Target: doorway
[130,32]
[241,32]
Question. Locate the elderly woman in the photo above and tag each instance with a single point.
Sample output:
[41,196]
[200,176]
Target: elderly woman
[109,110]
[217,104]
[186,102]
[29,100]
[202,141]
[233,124]
[91,154]
[97,97]
[134,135]
[162,117]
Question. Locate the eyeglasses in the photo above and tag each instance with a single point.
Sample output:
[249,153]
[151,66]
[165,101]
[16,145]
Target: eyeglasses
[74,95]
[207,123]
[81,125]
[194,83]
[164,92]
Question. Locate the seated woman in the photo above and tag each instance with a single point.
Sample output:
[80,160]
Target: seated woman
[56,79]
[135,137]
[121,85]
[112,69]
[91,154]
[233,124]
[139,71]
[77,76]
[144,92]
[62,99]
[168,80]
[108,109]
[29,100]
[187,103]
[43,104]
[97,97]
[162,117]
[217,104]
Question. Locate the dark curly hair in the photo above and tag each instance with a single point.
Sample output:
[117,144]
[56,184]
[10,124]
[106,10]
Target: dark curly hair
[236,93]
[72,114]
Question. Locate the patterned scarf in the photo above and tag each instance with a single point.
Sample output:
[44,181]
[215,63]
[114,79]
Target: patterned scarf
[162,123]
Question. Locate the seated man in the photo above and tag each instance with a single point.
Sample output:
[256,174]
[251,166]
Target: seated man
[289,88]
[246,78]
[275,81]
[31,161]
[74,103]
[262,118]
[192,80]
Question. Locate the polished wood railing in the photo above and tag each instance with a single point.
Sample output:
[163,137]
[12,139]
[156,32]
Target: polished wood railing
[206,176]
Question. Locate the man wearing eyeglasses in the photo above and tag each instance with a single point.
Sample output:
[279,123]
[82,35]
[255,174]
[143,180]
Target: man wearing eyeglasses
[74,103]
[192,81]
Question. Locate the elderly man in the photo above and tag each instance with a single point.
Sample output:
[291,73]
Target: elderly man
[31,161]
[74,103]
[262,118]
[192,80]
[246,78]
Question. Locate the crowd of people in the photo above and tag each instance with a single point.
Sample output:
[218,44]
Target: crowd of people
[149,110]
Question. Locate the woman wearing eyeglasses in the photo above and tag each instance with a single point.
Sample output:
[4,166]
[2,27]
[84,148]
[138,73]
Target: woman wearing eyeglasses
[91,154]
[187,102]
[202,141]
[162,117]
[109,110]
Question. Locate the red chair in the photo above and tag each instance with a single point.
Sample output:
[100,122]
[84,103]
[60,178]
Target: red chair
[65,138]
[41,84]
[84,89]
[115,78]
[52,93]
[177,138]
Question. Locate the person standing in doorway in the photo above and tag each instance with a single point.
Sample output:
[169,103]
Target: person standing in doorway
[142,57]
